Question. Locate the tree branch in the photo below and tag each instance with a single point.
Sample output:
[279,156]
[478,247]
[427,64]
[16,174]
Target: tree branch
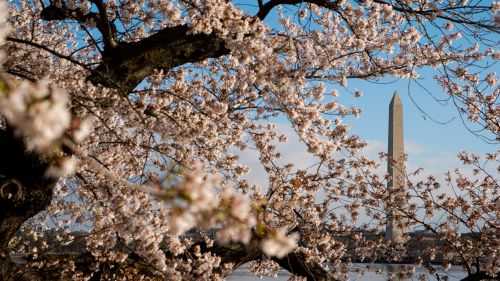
[235,254]
[106,27]
[45,48]
[129,63]
[264,9]
[481,275]
[125,64]
[296,263]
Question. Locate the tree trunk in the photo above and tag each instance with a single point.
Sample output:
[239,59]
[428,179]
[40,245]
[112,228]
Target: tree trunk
[24,191]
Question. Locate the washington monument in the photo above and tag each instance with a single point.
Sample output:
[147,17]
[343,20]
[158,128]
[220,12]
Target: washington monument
[395,185]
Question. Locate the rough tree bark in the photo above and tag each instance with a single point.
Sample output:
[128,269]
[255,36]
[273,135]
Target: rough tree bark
[24,191]
[126,65]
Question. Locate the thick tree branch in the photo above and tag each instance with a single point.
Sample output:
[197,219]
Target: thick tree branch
[125,64]
[129,63]
[264,9]
[296,263]
[235,254]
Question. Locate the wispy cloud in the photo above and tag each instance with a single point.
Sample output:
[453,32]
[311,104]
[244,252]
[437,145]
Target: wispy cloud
[412,148]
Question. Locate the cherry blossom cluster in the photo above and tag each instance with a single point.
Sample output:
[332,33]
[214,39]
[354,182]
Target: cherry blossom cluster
[165,157]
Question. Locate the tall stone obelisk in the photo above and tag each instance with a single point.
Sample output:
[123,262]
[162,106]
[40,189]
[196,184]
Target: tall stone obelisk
[395,185]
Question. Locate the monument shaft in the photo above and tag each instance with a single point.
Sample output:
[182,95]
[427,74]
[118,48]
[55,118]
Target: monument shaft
[395,185]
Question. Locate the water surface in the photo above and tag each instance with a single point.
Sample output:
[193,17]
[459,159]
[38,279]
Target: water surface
[454,274]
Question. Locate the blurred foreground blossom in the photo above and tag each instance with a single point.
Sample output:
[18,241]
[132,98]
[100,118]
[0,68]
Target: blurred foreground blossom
[279,244]
[38,112]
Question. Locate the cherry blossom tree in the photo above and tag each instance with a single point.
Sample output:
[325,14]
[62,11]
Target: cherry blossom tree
[122,118]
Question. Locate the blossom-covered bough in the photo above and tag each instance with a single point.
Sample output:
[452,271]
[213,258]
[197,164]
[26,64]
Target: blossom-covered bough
[122,118]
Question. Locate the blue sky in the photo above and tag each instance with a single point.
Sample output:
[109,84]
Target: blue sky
[432,137]
[429,144]
[425,139]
